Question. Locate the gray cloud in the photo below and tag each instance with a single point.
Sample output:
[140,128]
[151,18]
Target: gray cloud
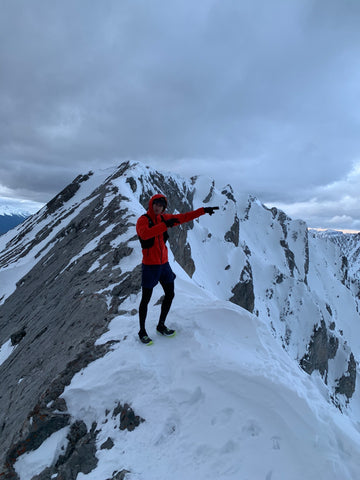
[263,95]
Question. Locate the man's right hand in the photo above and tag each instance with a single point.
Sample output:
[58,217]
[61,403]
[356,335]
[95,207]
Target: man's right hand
[171,222]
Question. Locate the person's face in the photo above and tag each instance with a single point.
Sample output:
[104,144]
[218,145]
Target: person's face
[158,208]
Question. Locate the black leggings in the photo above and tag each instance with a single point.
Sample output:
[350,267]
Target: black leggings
[165,306]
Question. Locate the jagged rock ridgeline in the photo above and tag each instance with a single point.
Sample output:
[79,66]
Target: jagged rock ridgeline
[73,264]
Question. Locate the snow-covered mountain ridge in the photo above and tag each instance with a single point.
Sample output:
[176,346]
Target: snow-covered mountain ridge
[349,245]
[69,293]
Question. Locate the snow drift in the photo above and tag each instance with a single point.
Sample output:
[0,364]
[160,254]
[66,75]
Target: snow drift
[260,381]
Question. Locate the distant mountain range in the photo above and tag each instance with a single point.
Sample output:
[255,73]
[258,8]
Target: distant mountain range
[9,221]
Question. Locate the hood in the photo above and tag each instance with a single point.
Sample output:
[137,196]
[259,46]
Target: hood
[151,201]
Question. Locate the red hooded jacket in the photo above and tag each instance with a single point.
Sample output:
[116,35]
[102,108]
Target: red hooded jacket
[158,253]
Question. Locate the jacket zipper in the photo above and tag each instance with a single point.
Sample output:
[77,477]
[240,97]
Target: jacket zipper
[160,250]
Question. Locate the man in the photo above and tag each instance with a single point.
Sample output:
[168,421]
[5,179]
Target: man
[152,231]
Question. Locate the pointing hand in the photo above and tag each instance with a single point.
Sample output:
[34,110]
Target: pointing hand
[210,210]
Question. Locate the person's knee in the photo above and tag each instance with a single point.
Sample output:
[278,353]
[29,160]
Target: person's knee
[146,296]
[169,294]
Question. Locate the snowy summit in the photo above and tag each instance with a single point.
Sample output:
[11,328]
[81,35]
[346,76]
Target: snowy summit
[260,382]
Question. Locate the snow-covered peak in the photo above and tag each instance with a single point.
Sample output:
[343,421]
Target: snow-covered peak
[8,211]
[24,208]
[264,363]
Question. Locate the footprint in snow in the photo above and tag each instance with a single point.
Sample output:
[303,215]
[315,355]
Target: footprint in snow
[170,427]
[184,396]
[252,428]
[276,442]
[224,416]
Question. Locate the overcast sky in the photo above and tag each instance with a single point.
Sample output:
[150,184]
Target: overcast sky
[261,94]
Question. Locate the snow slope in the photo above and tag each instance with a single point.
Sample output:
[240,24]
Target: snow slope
[221,400]
[226,398]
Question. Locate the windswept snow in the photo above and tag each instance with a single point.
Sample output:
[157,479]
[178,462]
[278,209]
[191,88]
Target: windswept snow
[221,400]
[225,399]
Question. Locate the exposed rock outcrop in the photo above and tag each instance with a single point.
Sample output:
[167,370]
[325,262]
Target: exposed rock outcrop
[346,384]
[243,292]
[54,317]
[322,348]
[233,234]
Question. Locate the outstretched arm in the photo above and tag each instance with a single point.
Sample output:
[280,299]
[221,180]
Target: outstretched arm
[188,216]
